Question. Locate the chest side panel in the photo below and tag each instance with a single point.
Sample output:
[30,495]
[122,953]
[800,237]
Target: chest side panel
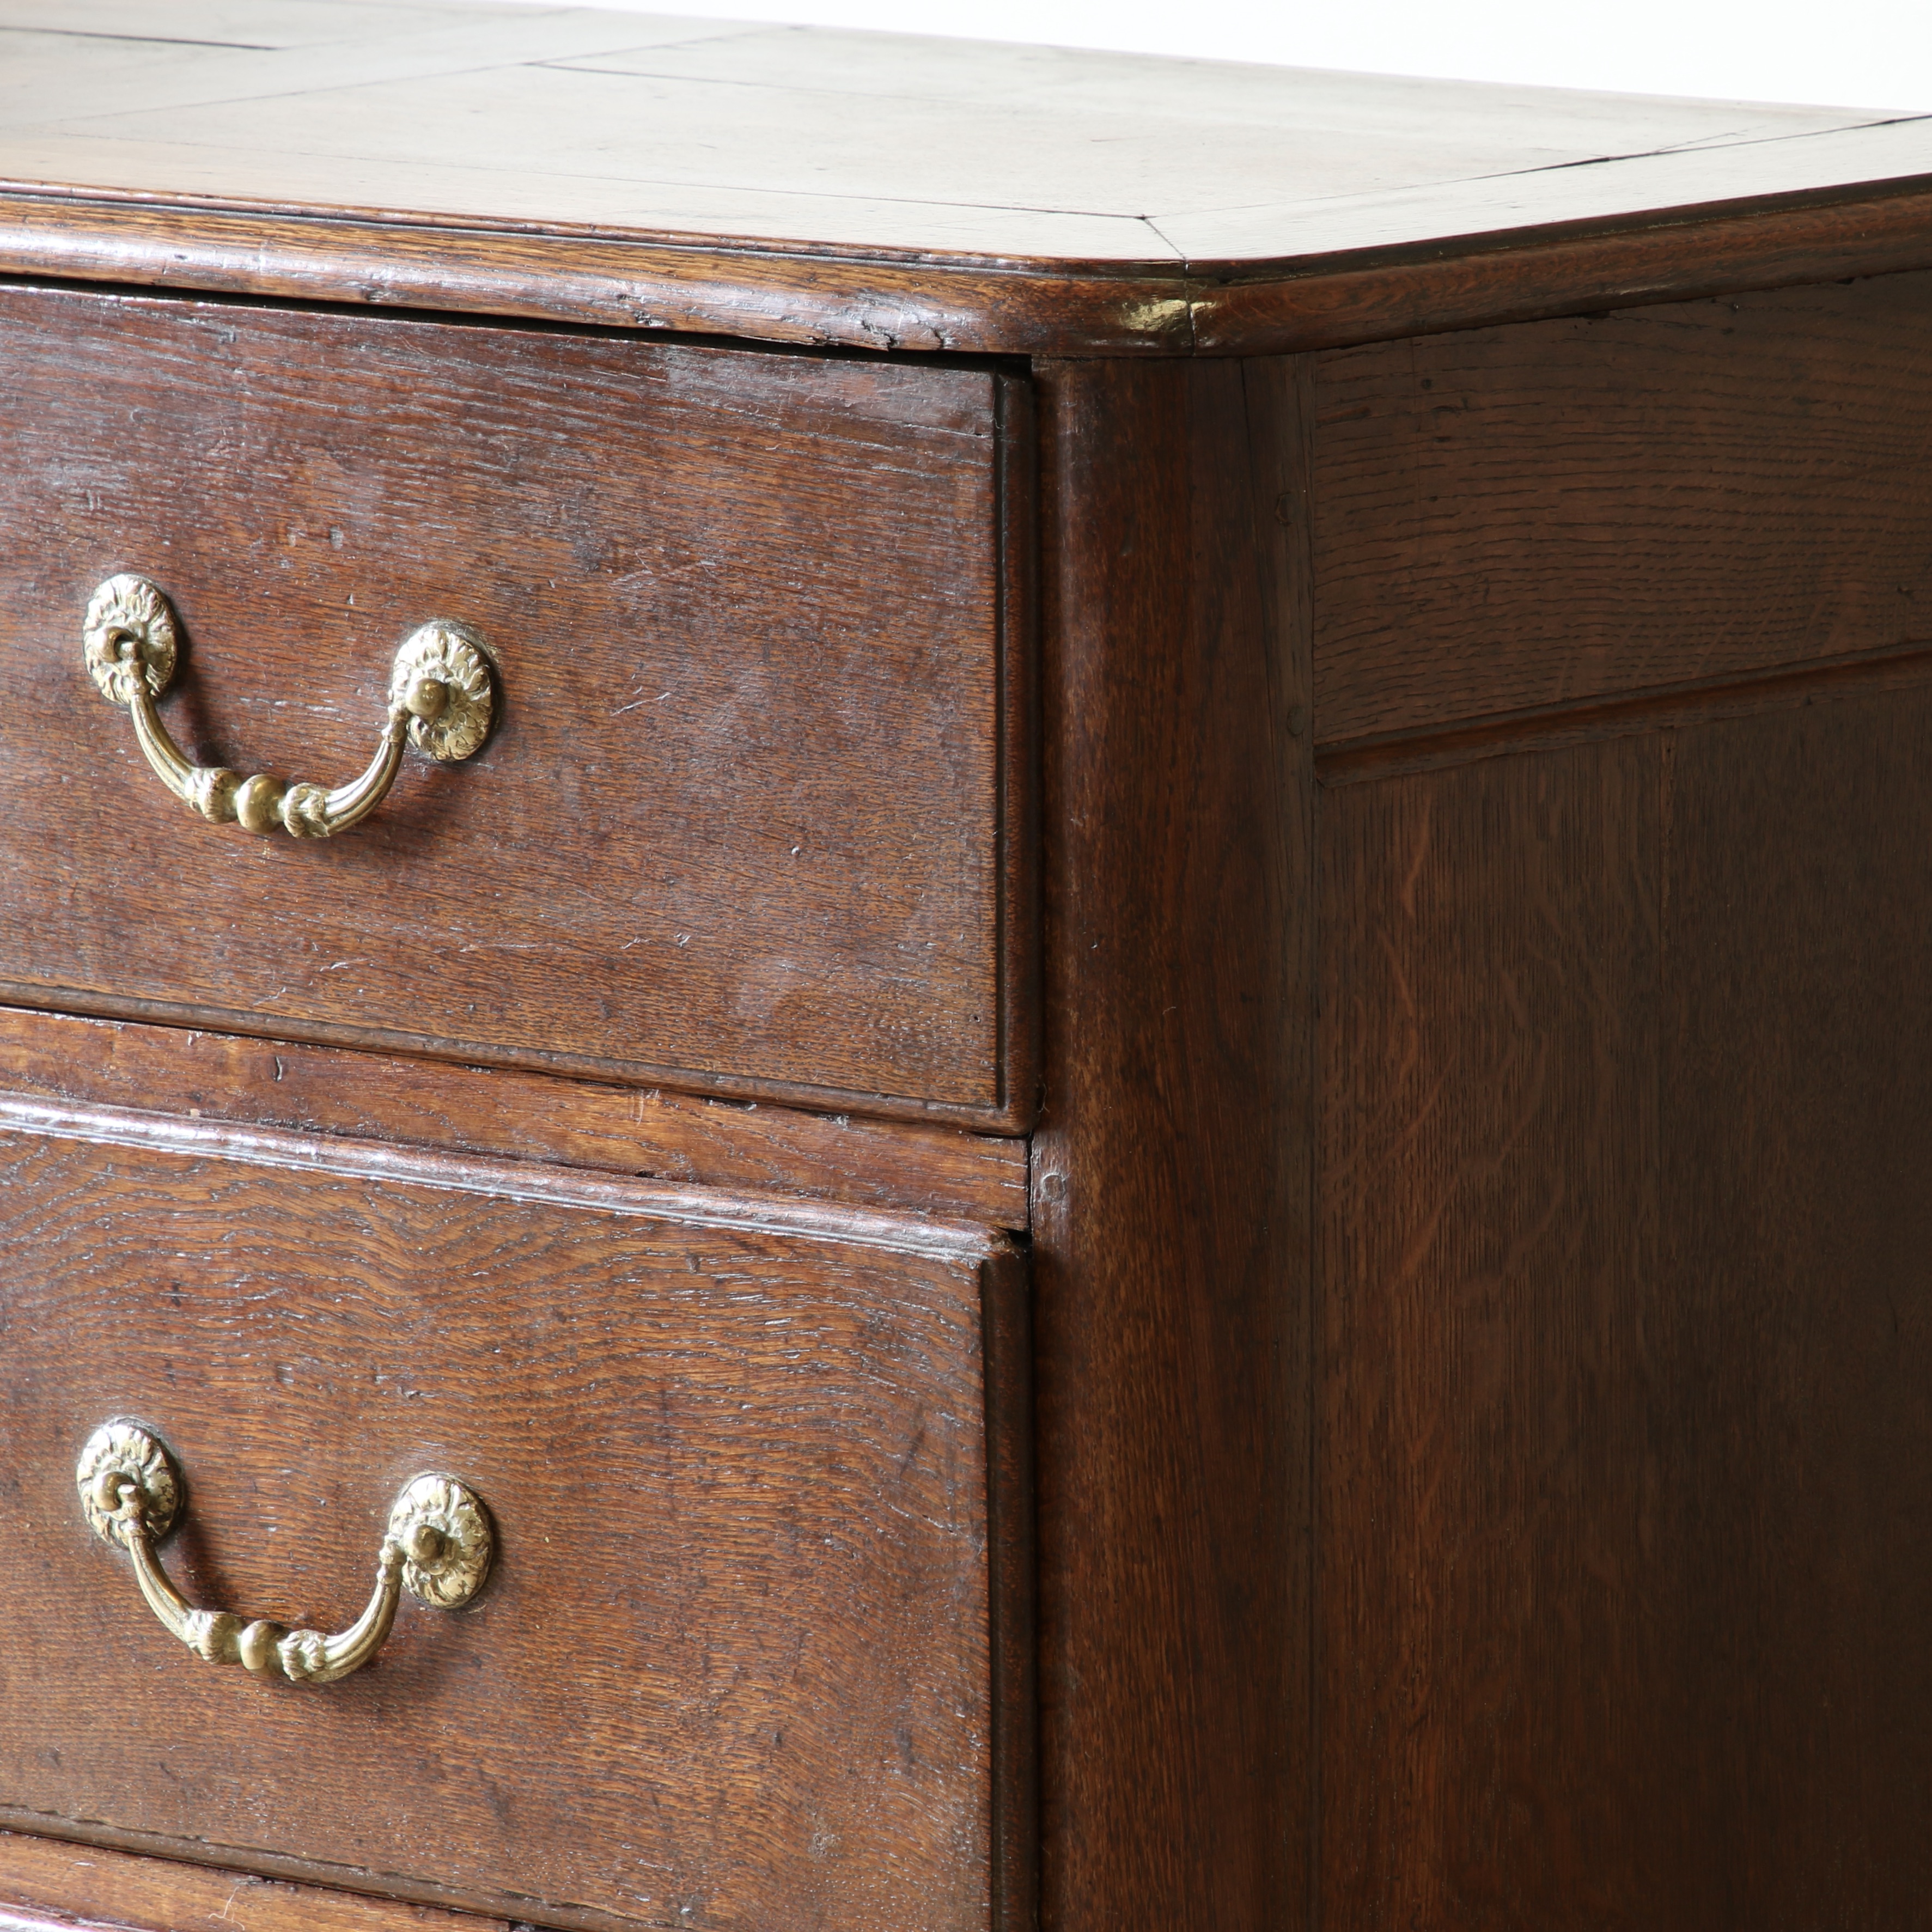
[1516,520]
[1626,1439]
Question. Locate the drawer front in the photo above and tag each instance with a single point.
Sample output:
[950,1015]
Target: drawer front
[744,823]
[733,1665]
[1515,520]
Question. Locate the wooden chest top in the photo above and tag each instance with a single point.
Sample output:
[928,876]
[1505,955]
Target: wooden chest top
[882,191]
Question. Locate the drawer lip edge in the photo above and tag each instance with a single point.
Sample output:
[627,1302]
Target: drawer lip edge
[965,1241]
[492,1912]
[1007,1117]
[928,1168]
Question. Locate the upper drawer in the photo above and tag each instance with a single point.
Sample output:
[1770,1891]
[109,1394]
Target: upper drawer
[1518,519]
[746,823]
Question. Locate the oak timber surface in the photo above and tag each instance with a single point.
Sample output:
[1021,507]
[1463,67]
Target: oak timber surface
[731,1667]
[1174,1161]
[1516,521]
[1625,1358]
[750,763]
[651,1132]
[920,156]
[47,1885]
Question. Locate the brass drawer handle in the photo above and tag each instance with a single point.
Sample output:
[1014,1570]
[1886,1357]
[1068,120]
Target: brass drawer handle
[442,696]
[438,1548]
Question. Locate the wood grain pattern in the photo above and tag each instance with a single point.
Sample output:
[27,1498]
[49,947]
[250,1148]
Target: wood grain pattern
[1479,1358]
[797,297]
[663,1136]
[733,1665]
[1519,520]
[593,166]
[1379,295]
[1625,1420]
[813,299]
[1907,669]
[1172,1166]
[1689,181]
[1798,1112]
[1491,1683]
[602,120]
[49,1886]
[745,826]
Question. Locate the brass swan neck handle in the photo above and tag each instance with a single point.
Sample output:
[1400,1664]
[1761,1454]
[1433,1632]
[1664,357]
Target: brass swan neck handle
[438,1547]
[442,698]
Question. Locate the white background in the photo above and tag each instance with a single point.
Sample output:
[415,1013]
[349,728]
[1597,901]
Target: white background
[1852,53]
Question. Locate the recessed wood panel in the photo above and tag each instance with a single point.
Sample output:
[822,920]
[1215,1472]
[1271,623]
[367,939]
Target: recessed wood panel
[744,826]
[734,1666]
[1516,519]
[1798,1136]
[1626,1432]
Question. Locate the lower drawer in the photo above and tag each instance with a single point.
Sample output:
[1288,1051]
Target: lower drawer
[734,1664]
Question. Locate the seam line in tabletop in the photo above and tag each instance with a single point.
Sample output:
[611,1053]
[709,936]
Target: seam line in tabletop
[142,40]
[802,197]
[1685,150]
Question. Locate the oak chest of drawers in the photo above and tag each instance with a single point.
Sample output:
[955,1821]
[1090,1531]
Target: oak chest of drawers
[949,988]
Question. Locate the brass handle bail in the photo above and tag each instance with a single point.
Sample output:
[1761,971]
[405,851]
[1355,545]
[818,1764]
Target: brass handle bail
[438,1547]
[442,698]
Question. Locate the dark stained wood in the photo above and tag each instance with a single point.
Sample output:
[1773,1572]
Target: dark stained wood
[1172,1166]
[1494,1697]
[49,1886]
[1798,1129]
[1626,1407]
[1381,294]
[1012,1634]
[798,297]
[1016,883]
[1519,520]
[590,166]
[815,299]
[662,1136]
[745,826]
[733,1665]
[383,1161]
[1467,1462]
[1909,669]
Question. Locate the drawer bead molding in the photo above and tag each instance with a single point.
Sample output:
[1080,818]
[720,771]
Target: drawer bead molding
[438,1547]
[441,698]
